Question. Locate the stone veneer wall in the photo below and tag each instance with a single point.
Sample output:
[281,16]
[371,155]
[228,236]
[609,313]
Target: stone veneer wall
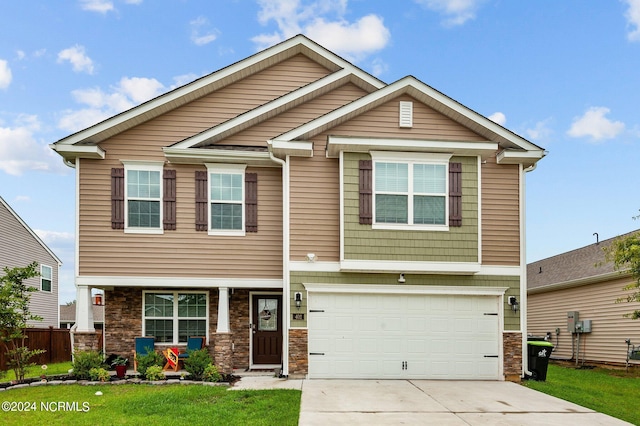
[239,325]
[298,359]
[512,346]
[86,341]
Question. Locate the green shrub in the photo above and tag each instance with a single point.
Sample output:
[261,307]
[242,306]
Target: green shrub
[99,374]
[211,374]
[154,372]
[84,361]
[196,363]
[150,359]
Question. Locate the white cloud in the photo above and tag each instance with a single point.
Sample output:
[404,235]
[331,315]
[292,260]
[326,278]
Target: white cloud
[457,11]
[100,6]
[499,118]
[595,125]
[101,105]
[77,57]
[133,1]
[541,131]
[5,74]
[20,151]
[181,80]
[54,237]
[324,22]
[633,19]
[379,67]
[199,33]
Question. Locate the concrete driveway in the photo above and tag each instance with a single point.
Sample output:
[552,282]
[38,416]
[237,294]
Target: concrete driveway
[434,402]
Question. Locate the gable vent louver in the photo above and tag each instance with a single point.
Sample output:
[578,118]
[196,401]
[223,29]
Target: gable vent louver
[406,114]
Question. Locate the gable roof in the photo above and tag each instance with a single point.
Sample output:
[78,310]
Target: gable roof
[582,266]
[33,234]
[68,313]
[84,143]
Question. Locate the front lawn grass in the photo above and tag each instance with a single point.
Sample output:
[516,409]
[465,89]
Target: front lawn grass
[153,405]
[37,371]
[612,392]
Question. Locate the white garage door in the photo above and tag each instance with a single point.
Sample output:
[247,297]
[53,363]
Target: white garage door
[387,336]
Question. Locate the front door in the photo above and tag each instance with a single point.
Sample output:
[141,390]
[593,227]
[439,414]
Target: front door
[267,329]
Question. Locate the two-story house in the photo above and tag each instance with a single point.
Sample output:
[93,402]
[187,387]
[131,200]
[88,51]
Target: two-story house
[301,214]
[19,247]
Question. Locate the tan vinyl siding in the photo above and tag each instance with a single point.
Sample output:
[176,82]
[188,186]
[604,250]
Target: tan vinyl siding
[606,343]
[18,248]
[458,244]
[184,252]
[500,214]
[298,279]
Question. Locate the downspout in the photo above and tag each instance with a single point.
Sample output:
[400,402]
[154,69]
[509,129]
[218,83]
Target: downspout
[285,258]
[523,269]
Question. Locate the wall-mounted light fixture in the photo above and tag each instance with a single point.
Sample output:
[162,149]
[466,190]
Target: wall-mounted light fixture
[513,302]
[298,299]
[311,257]
[401,279]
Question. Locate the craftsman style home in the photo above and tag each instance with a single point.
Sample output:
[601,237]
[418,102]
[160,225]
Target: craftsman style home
[303,215]
[19,247]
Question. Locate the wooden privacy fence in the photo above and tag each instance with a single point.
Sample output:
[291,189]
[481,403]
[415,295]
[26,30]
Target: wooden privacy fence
[55,341]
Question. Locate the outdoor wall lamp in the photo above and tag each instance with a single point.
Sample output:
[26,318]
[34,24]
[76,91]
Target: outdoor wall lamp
[311,257]
[401,279]
[298,299]
[513,302]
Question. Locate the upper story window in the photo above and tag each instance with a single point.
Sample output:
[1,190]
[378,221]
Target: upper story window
[46,278]
[226,199]
[410,191]
[143,195]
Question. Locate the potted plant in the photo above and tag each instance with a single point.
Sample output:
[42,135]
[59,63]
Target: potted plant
[120,364]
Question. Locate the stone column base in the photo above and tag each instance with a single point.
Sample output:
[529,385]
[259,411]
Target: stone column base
[223,353]
[298,359]
[86,341]
[512,345]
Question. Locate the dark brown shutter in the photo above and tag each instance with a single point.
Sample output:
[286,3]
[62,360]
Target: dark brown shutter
[169,200]
[366,192]
[251,202]
[455,194]
[117,198]
[202,198]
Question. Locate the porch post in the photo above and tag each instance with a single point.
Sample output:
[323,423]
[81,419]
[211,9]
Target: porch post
[223,310]
[84,310]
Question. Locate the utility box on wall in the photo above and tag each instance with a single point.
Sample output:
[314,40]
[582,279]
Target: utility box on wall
[573,317]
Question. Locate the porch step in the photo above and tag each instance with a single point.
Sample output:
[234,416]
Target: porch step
[254,373]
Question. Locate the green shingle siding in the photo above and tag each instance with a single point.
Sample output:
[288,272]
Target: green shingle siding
[459,244]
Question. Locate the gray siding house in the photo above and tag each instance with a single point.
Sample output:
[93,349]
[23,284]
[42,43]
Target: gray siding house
[19,246]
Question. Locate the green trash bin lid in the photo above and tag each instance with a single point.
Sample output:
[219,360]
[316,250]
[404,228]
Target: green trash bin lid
[540,343]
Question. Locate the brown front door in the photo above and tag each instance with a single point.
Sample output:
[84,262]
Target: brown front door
[267,329]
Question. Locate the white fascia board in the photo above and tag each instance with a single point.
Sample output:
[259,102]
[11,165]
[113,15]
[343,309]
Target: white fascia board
[200,156]
[177,282]
[71,152]
[404,289]
[507,156]
[281,103]
[390,266]
[282,149]
[505,271]
[336,144]
[137,114]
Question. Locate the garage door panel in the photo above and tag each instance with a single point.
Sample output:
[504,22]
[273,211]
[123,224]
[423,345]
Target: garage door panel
[403,336]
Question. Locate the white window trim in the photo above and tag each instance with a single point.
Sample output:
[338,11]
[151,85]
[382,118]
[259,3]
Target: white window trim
[411,159]
[175,317]
[154,166]
[42,267]
[238,169]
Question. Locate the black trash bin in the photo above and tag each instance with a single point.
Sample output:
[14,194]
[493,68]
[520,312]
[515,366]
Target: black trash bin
[539,353]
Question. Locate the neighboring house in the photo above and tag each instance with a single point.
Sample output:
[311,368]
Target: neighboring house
[68,316]
[581,281]
[301,214]
[20,246]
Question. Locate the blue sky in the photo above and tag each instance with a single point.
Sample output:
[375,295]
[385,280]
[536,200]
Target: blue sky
[562,74]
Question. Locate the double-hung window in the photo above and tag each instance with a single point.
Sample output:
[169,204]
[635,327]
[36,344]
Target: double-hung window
[143,195]
[226,199]
[46,277]
[173,317]
[410,191]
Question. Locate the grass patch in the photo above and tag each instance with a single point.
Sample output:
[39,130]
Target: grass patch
[611,392]
[36,371]
[155,405]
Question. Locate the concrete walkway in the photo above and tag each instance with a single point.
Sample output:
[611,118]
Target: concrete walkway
[437,402]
